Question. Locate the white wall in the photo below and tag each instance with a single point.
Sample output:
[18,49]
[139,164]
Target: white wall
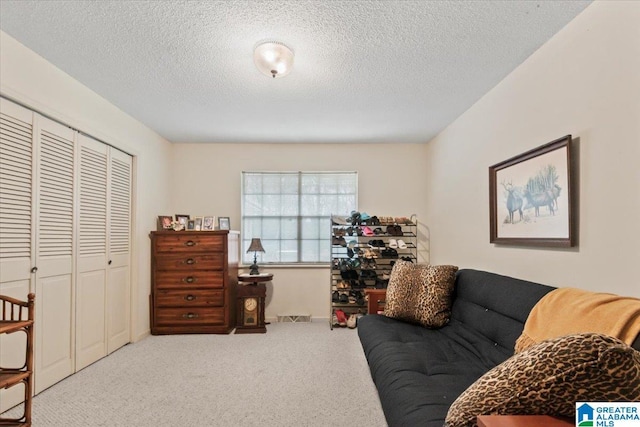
[207,181]
[32,81]
[586,82]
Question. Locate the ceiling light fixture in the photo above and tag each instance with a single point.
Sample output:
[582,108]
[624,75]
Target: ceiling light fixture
[273,58]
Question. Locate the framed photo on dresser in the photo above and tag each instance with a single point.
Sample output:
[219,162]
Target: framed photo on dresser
[182,220]
[165,222]
[224,223]
[208,223]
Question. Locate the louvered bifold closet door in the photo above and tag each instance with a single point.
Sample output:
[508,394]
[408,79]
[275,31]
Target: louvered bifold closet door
[118,273]
[91,252]
[16,231]
[54,253]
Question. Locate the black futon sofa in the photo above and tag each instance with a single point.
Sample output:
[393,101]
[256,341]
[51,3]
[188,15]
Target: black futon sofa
[419,372]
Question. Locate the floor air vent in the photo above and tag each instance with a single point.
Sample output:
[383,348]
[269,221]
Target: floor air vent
[294,318]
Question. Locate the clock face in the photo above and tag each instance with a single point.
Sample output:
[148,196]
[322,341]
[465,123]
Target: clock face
[250,304]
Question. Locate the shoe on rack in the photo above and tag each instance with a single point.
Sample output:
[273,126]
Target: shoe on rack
[341,317]
[402,244]
[335,296]
[334,320]
[389,253]
[338,220]
[367,231]
[393,243]
[355,218]
[351,322]
[338,241]
[343,298]
[365,216]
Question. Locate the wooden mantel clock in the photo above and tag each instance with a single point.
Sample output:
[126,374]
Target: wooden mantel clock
[250,303]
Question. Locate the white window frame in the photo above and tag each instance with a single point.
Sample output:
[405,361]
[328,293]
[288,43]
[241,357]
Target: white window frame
[276,248]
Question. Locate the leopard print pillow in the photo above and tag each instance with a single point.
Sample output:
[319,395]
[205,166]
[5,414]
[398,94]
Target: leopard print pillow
[420,293]
[548,378]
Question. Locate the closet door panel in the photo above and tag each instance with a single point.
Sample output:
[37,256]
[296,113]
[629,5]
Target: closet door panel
[118,307]
[90,325]
[54,253]
[54,339]
[16,194]
[91,252]
[16,234]
[118,276]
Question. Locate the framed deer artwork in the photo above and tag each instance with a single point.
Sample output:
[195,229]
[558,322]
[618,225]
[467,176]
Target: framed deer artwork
[530,197]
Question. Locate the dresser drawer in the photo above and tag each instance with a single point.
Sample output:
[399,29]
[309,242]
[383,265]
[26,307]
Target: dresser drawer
[189,316]
[190,261]
[188,279]
[189,243]
[190,298]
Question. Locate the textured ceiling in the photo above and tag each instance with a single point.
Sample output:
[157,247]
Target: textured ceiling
[364,71]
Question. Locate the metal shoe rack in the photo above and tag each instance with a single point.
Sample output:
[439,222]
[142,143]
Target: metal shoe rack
[360,261]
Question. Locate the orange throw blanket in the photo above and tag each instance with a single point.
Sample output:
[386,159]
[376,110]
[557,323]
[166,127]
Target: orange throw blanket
[567,311]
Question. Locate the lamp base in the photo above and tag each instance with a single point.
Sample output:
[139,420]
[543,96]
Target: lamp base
[254,270]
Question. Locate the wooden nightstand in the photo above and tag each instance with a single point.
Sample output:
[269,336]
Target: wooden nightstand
[377,298]
[522,421]
[251,294]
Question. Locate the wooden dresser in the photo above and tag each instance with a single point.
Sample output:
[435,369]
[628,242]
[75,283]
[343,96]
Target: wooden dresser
[194,275]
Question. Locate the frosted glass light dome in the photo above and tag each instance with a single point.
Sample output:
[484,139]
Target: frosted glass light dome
[273,59]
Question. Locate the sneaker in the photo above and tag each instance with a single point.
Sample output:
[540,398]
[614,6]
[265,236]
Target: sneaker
[351,322]
[341,317]
[334,320]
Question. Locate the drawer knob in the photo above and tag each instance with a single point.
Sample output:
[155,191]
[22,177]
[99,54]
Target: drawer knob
[190,261]
[190,243]
[190,297]
[190,315]
[189,279]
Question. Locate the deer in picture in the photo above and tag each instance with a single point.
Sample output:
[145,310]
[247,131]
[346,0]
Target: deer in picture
[545,198]
[514,201]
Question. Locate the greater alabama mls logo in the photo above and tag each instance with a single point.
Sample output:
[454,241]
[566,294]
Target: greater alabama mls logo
[607,414]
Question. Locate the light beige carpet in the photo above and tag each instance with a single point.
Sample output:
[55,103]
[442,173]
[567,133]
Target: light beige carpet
[297,374]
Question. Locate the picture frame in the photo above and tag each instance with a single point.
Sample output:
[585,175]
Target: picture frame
[165,222]
[182,219]
[208,223]
[191,225]
[197,223]
[530,197]
[224,223]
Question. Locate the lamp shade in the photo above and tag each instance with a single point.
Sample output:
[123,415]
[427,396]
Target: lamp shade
[255,246]
[273,59]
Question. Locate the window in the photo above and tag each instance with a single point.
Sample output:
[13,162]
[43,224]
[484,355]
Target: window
[290,211]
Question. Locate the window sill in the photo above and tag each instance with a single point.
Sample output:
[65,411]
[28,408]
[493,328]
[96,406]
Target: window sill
[286,266]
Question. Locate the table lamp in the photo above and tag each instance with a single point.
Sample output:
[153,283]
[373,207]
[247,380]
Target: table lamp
[255,247]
